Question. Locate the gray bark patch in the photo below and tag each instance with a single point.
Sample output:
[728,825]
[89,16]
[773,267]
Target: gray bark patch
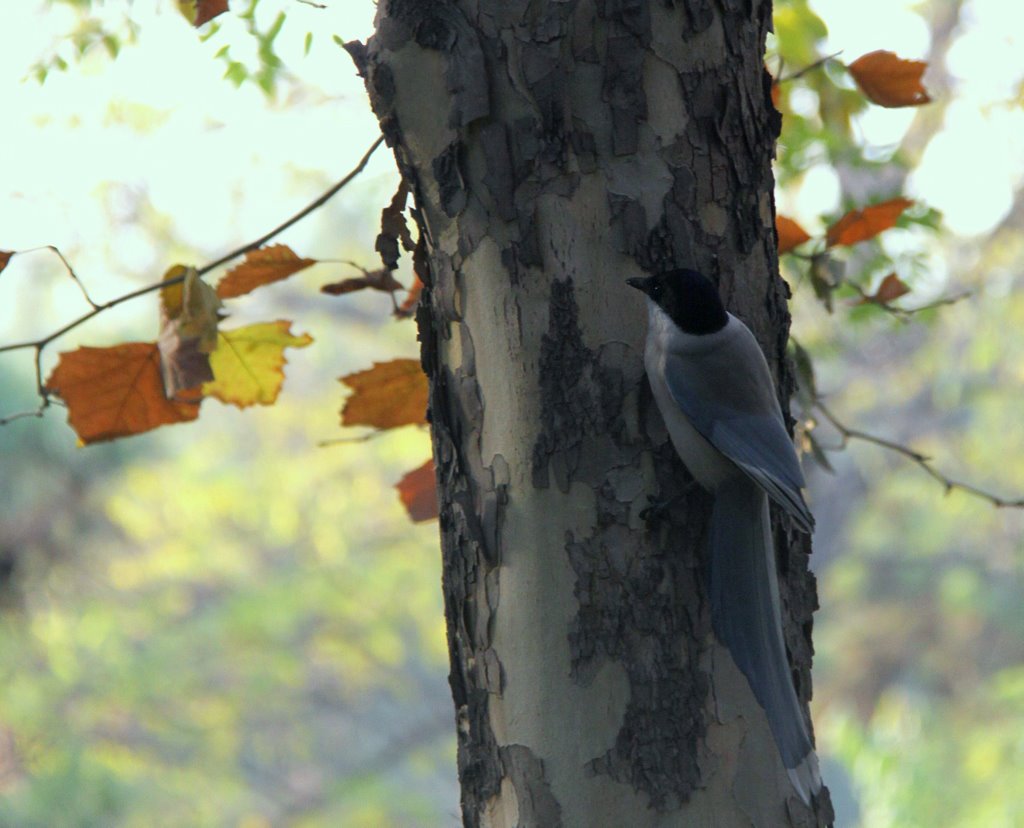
[580,396]
[633,610]
[538,807]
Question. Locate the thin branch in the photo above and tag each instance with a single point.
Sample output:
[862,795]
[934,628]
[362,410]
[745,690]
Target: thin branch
[942,300]
[67,267]
[363,438]
[299,215]
[810,68]
[903,314]
[922,460]
[72,274]
[36,412]
[39,344]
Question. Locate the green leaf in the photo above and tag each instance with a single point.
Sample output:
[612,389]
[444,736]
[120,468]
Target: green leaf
[236,73]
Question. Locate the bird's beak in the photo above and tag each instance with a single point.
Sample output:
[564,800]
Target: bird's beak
[638,283]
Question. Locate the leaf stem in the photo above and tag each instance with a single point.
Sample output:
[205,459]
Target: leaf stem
[809,68]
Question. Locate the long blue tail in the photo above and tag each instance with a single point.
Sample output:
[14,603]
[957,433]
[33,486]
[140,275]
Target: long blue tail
[747,620]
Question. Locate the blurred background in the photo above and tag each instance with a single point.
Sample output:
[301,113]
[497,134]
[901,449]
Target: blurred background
[227,623]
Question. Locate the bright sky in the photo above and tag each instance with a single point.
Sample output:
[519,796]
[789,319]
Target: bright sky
[221,166]
[159,131]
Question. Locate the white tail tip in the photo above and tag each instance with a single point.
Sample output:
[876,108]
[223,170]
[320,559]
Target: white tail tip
[806,777]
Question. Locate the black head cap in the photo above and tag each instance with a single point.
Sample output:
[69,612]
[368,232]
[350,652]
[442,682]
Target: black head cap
[689,298]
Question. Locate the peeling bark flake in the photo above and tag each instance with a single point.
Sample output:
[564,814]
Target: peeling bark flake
[537,804]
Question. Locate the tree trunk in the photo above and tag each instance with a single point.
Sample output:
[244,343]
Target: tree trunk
[555,149]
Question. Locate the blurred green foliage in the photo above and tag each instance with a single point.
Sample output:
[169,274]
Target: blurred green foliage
[248,631]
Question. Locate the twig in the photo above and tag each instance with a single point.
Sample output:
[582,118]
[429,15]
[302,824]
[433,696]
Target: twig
[810,68]
[67,266]
[36,412]
[39,344]
[922,460]
[943,300]
[903,314]
[363,438]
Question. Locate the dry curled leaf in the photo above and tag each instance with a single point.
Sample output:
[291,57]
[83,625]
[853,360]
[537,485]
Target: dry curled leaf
[891,289]
[418,491]
[380,279]
[889,80]
[790,233]
[116,392]
[408,307]
[261,267]
[860,225]
[189,315]
[248,364]
[199,12]
[388,395]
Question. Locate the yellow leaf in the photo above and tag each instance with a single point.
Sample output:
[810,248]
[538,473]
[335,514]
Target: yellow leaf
[248,363]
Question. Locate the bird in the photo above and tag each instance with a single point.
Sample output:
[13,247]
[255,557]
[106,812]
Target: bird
[712,385]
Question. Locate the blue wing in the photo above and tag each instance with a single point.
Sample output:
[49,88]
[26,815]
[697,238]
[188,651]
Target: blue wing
[740,416]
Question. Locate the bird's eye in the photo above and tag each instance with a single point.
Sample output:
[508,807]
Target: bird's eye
[655,290]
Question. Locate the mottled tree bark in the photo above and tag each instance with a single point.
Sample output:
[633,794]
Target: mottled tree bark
[555,149]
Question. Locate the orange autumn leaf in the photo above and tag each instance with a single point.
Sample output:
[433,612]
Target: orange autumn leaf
[206,10]
[860,225]
[776,92]
[388,395]
[790,233]
[248,363]
[891,288]
[5,257]
[261,267]
[116,392]
[889,80]
[418,491]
